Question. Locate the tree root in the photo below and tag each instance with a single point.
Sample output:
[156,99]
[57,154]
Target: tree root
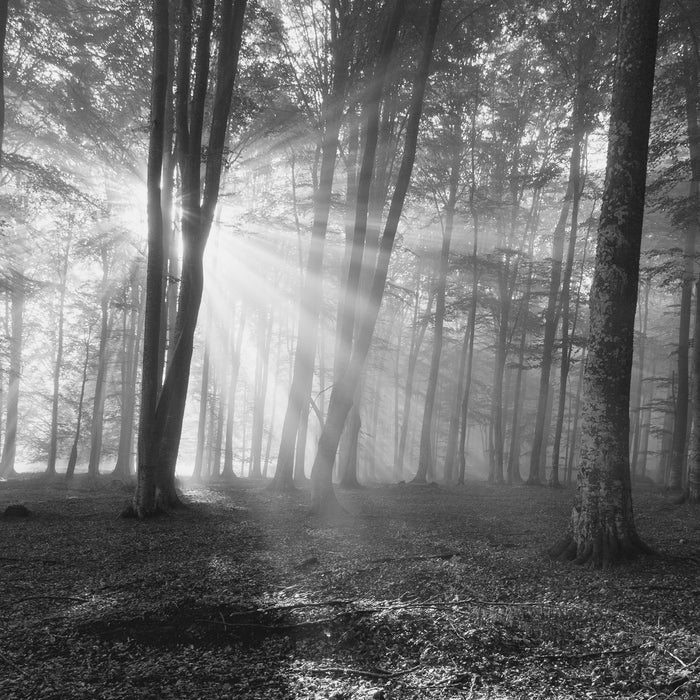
[602,552]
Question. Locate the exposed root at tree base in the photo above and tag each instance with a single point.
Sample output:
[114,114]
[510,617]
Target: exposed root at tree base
[602,553]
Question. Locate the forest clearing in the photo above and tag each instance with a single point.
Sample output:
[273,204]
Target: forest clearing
[417,592]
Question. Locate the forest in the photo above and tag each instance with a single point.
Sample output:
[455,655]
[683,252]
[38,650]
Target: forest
[376,322]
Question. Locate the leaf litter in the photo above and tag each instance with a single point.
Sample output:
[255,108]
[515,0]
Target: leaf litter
[418,593]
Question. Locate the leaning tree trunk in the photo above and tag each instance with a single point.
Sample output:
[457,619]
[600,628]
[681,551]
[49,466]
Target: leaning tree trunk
[601,529]
[323,497]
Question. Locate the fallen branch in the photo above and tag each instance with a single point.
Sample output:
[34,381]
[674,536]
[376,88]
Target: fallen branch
[382,675]
[291,606]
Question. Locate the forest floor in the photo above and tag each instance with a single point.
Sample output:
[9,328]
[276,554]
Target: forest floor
[420,592]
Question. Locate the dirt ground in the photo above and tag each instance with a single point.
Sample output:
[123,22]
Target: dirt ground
[420,592]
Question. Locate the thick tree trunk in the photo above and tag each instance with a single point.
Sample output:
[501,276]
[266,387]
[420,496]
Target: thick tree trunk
[145,497]
[601,529]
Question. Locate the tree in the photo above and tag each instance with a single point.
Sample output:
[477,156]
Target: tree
[601,529]
[162,413]
[4,6]
[340,403]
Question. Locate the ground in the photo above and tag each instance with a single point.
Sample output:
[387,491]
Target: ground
[420,592]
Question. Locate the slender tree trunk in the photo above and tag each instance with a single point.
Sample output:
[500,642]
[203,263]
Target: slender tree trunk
[323,497]
[4,4]
[73,458]
[98,403]
[471,329]
[202,421]
[58,358]
[601,529]
[418,333]
[692,107]
[17,297]
[637,411]
[577,184]
[126,433]
[425,463]
[163,423]
[680,423]
[311,293]
[227,472]
[261,377]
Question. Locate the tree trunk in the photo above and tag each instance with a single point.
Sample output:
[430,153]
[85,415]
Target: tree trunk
[145,496]
[202,420]
[98,403]
[227,471]
[425,462]
[692,107]
[58,358]
[601,529]
[323,497]
[418,333]
[162,422]
[311,293]
[471,329]
[123,468]
[3,33]
[73,458]
[17,297]
[639,394]
[680,423]
[260,394]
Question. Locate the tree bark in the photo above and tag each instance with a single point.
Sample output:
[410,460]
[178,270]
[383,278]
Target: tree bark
[163,427]
[323,496]
[425,459]
[18,294]
[58,358]
[601,529]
